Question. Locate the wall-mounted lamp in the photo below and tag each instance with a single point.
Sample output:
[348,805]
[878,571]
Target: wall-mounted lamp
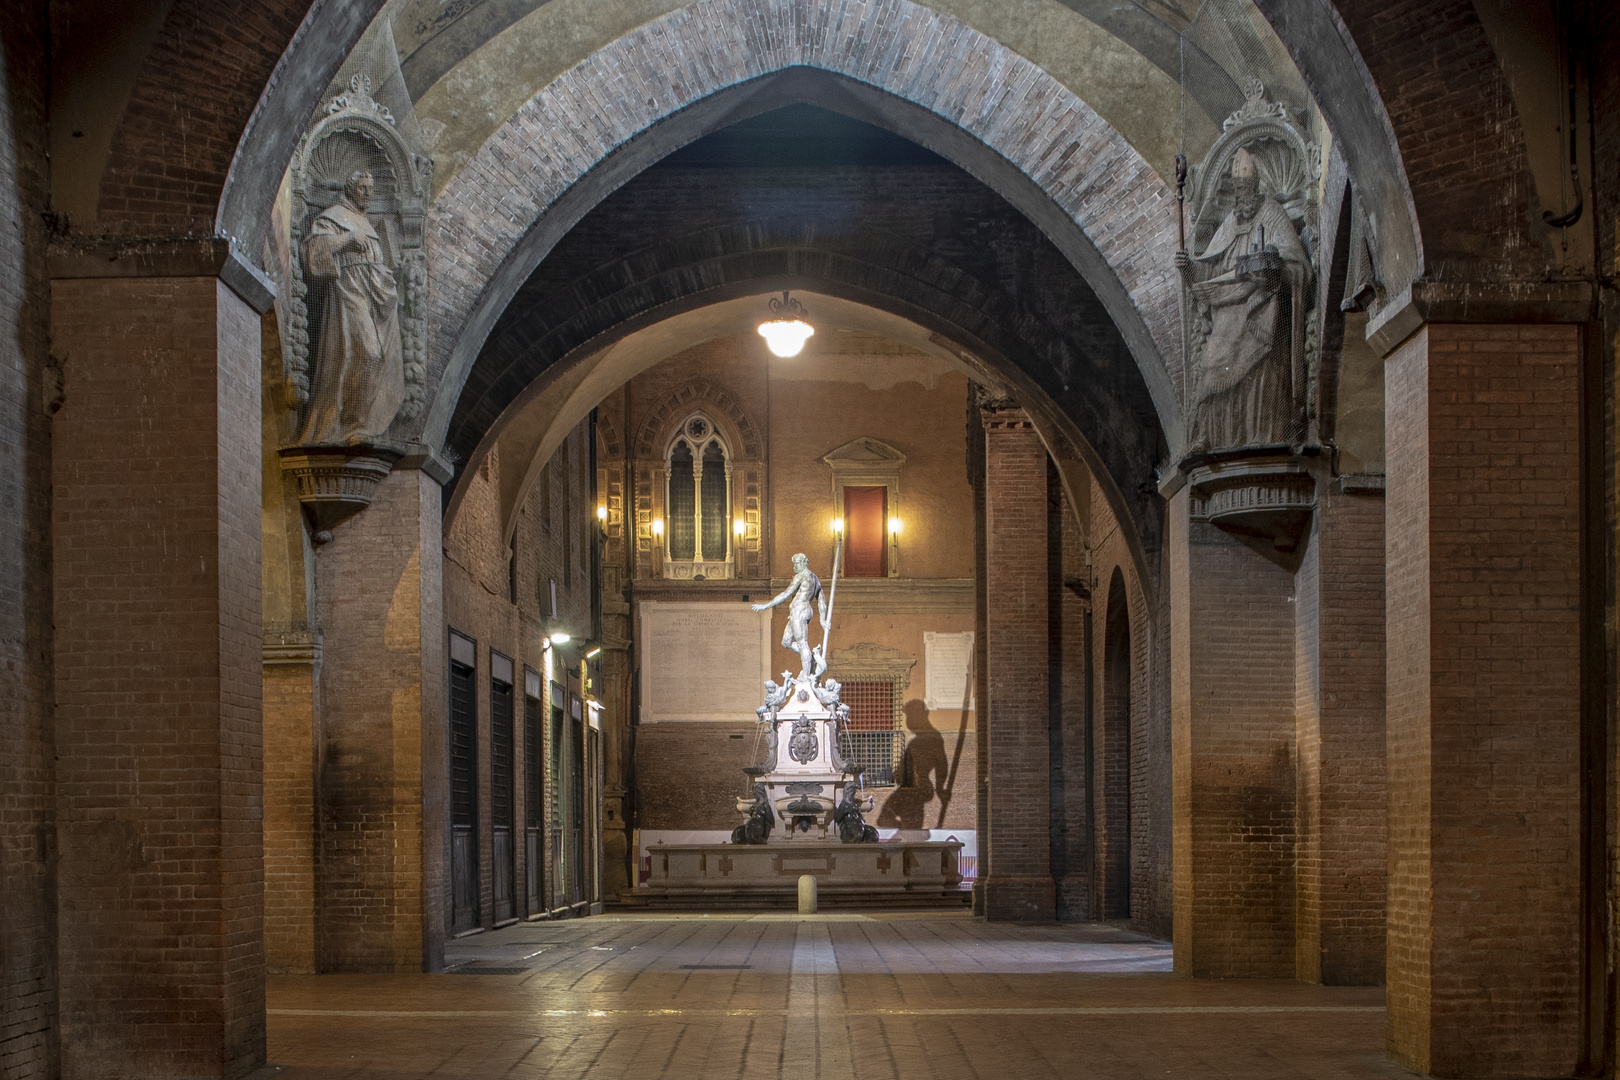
[894,526]
[560,638]
[740,527]
[601,513]
[838,526]
[594,653]
[658,526]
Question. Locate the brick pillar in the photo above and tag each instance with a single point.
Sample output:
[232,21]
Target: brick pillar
[155,539]
[381,755]
[1018,884]
[1343,803]
[1232,742]
[1484,700]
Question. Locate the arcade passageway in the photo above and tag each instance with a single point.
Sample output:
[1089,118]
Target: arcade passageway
[832,997]
[1208,407]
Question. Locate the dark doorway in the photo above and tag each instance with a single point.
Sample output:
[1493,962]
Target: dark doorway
[463,784]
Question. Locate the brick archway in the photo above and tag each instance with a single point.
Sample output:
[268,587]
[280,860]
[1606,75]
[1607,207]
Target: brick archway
[910,68]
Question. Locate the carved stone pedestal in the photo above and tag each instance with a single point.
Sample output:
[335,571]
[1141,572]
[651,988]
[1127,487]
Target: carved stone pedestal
[336,482]
[1266,496]
[804,778]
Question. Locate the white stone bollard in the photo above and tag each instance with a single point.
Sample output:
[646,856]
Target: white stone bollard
[807,894]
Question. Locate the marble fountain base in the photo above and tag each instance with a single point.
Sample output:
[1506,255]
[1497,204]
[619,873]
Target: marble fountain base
[900,873]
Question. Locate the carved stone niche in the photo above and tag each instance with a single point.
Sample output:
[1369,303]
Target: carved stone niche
[335,483]
[342,403]
[1262,496]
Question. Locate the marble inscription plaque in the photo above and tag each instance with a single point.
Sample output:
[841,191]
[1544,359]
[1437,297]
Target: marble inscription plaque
[702,661]
[948,661]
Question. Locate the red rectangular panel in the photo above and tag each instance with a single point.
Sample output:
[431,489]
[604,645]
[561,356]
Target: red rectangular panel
[866,510]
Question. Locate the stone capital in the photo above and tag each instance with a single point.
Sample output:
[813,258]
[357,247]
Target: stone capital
[1426,301]
[162,257]
[1005,416]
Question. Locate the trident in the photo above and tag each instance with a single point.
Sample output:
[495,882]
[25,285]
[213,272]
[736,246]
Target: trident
[832,597]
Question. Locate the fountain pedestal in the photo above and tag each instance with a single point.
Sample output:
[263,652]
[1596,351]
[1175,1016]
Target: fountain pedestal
[804,779]
[806,817]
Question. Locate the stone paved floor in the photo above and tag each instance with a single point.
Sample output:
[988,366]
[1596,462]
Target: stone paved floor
[837,997]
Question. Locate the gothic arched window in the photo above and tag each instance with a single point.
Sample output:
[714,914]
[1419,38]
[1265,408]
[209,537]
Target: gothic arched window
[697,501]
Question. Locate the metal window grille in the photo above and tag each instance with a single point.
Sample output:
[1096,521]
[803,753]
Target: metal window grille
[871,705]
[871,739]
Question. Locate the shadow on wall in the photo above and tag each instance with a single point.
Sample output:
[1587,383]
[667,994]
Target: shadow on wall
[927,774]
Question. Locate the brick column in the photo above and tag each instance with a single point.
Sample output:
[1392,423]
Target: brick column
[1484,700]
[1018,884]
[1343,803]
[382,770]
[1232,741]
[155,539]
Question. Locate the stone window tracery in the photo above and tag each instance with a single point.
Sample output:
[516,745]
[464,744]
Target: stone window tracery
[697,502]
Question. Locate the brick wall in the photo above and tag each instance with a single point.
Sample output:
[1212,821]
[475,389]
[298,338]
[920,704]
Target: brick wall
[290,706]
[28,1047]
[156,548]
[1233,718]
[215,57]
[381,734]
[1451,109]
[1483,707]
[1343,798]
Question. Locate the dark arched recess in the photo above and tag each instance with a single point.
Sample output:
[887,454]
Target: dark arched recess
[900,230]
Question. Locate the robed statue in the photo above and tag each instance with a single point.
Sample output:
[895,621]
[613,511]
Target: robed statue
[1249,288]
[359,370]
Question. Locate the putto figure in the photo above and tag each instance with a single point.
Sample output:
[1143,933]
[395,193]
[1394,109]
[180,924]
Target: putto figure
[1249,292]
[804,591]
[359,376]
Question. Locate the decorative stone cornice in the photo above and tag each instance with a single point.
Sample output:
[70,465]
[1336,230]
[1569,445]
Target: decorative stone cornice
[1362,484]
[283,648]
[869,661]
[1005,418]
[899,596]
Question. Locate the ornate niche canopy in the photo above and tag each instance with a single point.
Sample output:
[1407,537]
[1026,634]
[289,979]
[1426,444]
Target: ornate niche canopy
[355,351]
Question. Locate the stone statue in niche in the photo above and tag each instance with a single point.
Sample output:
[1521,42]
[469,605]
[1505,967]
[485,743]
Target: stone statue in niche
[1249,292]
[359,376]
[356,347]
[1251,315]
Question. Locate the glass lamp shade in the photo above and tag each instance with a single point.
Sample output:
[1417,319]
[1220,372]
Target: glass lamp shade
[786,337]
